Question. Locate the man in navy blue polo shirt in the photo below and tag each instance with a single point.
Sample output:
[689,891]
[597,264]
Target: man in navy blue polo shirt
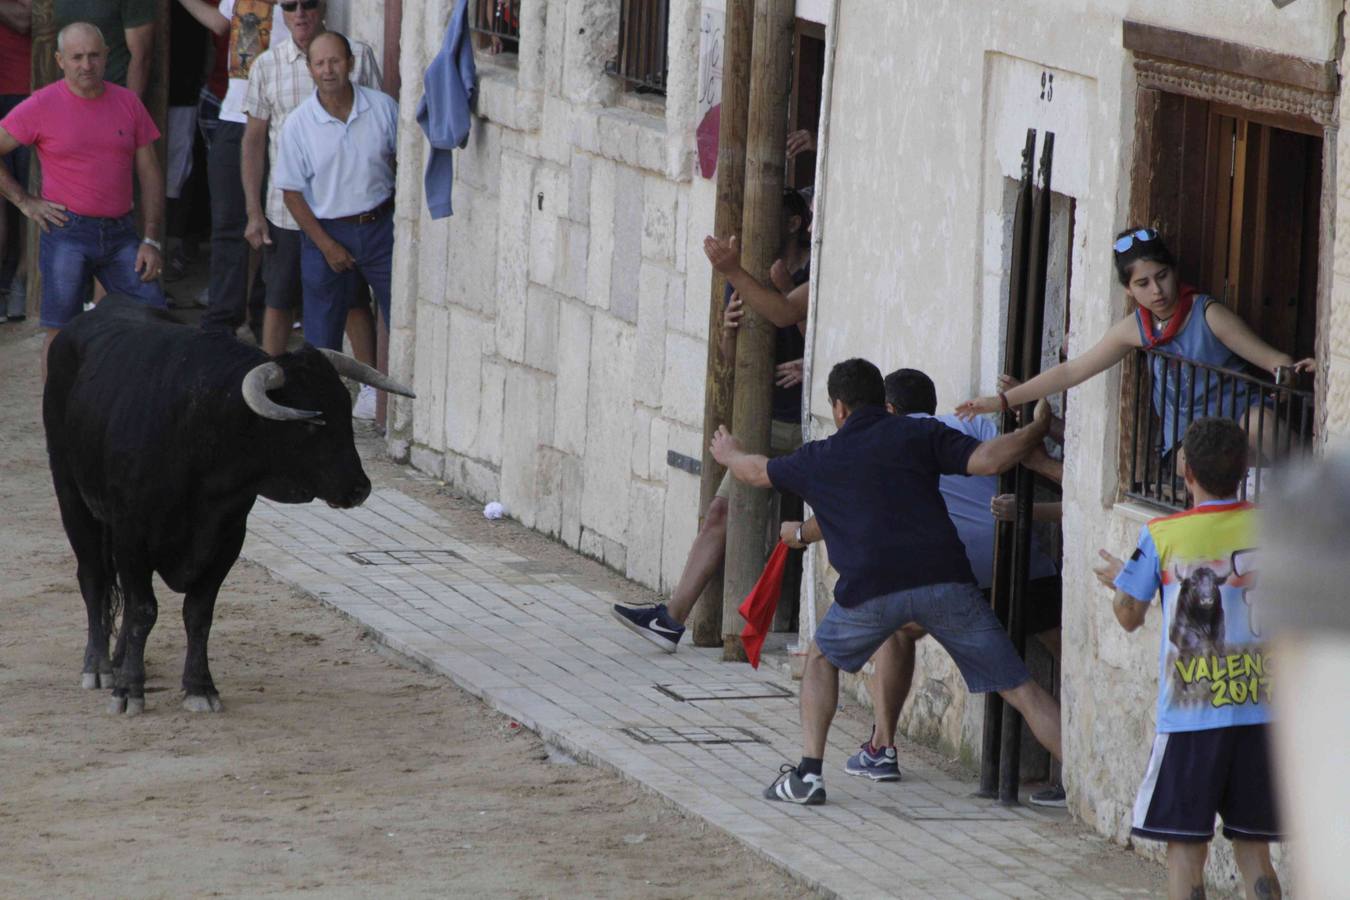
[874,488]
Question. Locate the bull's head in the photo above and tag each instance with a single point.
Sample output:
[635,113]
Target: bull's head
[312,453]
[1203,582]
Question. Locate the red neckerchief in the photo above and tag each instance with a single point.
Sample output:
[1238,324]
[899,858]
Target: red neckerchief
[1180,316]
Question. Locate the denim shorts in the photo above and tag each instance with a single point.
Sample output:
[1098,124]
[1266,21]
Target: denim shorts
[87,247]
[957,617]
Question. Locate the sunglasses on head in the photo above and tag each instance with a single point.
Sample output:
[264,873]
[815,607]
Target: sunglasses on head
[1142,236]
[301,4]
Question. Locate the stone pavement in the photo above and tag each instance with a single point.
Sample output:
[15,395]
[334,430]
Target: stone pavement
[537,642]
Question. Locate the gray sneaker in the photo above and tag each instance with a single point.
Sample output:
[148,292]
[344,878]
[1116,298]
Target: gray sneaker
[1052,796]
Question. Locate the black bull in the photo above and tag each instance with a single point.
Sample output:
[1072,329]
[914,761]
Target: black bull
[161,437]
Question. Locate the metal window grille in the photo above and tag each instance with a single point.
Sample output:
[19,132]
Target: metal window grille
[641,61]
[495,25]
[1171,391]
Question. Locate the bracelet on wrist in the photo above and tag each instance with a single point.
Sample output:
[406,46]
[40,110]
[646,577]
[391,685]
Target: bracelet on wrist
[798,536]
[1003,402]
[153,243]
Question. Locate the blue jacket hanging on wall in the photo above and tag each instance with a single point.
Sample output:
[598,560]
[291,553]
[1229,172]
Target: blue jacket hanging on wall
[449,86]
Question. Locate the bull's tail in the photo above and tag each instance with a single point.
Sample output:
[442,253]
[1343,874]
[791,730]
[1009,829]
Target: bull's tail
[112,594]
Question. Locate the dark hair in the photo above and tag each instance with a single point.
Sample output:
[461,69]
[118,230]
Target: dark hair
[794,204]
[1216,451]
[346,44]
[911,391]
[1153,251]
[855,383]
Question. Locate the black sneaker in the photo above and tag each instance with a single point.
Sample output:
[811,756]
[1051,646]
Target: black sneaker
[653,623]
[789,787]
[1051,796]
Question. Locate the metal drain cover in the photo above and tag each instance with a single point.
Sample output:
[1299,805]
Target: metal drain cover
[730,690]
[690,734]
[402,557]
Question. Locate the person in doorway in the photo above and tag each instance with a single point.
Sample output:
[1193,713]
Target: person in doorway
[970,502]
[15,77]
[278,82]
[249,27]
[874,488]
[128,29]
[1171,317]
[663,625]
[1211,752]
[90,137]
[336,174]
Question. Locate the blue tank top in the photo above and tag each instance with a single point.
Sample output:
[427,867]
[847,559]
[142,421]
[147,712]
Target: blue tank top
[1195,342]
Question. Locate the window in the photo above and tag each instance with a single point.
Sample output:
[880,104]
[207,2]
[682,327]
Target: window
[495,25]
[1233,181]
[641,61]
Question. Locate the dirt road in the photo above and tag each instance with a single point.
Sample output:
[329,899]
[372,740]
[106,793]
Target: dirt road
[336,771]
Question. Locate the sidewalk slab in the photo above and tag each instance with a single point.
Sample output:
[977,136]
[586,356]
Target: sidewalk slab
[537,642]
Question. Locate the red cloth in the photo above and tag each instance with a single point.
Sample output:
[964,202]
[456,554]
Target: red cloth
[1179,317]
[758,608]
[15,57]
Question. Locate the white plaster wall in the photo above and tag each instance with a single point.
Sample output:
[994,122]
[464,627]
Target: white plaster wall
[359,19]
[928,109]
[555,326]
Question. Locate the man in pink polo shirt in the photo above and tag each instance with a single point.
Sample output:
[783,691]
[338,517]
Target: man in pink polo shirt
[89,135]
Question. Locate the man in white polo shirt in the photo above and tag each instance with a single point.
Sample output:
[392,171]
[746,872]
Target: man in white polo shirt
[335,169]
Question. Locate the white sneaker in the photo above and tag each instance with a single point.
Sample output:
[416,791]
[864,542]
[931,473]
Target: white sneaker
[365,403]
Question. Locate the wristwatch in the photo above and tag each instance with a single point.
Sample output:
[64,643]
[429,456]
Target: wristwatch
[153,243]
[798,536]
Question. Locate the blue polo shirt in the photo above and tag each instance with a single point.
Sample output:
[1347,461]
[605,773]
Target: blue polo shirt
[873,486]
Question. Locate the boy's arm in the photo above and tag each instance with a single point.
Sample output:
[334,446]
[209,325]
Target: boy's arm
[1238,336]
[1129,612]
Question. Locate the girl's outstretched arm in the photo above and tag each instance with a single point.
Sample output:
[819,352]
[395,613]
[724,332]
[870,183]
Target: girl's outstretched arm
[1238,336]
[1111,349]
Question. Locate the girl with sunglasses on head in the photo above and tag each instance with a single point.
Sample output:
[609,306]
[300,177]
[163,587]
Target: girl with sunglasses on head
[1170,317]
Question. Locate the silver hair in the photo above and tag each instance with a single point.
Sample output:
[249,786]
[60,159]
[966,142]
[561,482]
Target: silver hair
[87,26]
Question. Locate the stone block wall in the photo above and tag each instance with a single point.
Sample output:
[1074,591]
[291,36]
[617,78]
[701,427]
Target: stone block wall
[555,327]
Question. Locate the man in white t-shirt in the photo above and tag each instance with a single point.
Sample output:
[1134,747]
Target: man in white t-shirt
[253,26]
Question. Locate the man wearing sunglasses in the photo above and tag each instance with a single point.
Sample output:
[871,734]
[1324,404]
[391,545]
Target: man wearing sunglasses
[278,82]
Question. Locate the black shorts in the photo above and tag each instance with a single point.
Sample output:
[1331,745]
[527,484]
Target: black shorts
[1043,609]
[1192,775]
[281,268]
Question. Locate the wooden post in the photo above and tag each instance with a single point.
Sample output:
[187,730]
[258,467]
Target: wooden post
[45,71]
[752,399]
[705,620]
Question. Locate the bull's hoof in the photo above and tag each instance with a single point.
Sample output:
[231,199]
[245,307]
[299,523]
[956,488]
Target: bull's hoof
[199,703]
[135,706]
[117,705]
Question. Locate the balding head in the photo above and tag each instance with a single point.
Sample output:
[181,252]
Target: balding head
[77,30]
[82,55]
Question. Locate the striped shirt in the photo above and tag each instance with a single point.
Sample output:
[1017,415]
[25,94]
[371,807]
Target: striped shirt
[278,82]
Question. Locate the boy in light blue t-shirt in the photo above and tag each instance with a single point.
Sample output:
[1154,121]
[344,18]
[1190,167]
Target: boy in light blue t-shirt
[1210,755]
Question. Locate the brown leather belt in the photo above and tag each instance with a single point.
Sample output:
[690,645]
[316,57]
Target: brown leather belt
[369,216]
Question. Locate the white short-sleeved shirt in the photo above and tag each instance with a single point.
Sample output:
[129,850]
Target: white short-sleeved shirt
[250,36]
[279,82]
[341,168]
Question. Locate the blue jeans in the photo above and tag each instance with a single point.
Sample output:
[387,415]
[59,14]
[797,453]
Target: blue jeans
[956,615]
[328,294]
[86,247]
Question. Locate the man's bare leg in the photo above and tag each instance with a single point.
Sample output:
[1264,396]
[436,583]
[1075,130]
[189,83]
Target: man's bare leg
[1186,870]
[276,330]
[361,332]
[892,677]
[820,698]
[705,558]
[1040,711]
[1258,874]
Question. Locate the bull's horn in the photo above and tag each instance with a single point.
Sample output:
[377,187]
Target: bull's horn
[364,374]
[268,377]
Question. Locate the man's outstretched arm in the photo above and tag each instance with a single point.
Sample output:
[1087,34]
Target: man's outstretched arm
[750,468]
[1000,454]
